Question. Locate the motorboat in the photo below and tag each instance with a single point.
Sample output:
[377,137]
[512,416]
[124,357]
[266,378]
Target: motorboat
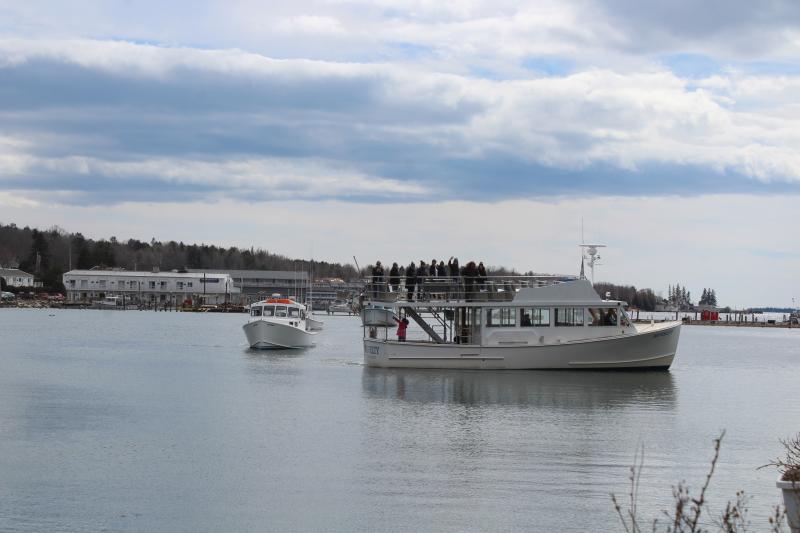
[514,322]
[312,324]
[340,306]
[278,323]
[110,302]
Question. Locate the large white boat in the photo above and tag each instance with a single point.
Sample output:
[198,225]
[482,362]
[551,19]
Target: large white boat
[278,323]
[521,322]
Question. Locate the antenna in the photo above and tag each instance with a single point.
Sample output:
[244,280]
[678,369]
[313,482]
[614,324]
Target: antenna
[591,256]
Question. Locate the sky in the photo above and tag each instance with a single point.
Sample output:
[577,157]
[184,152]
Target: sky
[419,129]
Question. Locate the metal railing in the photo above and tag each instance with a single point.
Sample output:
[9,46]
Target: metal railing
[459,288]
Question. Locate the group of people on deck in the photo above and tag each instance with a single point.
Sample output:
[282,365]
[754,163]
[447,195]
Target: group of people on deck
[413,277]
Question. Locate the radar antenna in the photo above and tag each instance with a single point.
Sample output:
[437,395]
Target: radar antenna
[590,255]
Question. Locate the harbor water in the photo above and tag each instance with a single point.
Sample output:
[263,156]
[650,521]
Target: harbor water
[143,421]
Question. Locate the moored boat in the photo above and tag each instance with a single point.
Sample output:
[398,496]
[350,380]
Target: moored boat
[519,322]
[278,323]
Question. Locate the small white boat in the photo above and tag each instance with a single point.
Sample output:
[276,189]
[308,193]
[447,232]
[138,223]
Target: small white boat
[312,324]
[278,323]
[340,306]
[111,302]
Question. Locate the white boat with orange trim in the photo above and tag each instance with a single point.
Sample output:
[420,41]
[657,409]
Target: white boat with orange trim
[513,322]
[278,323]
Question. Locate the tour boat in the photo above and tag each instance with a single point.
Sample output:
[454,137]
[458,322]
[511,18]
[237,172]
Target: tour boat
[278,323]
[519,322]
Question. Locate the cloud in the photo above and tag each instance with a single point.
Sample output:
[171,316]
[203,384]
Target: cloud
[111,115]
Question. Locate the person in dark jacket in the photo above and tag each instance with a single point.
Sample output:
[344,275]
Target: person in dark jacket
[377,279]
[482,275]
[470,273]
[432,268]
[411,280]
[453,266]
[394,277]
[441,270]
[422,273]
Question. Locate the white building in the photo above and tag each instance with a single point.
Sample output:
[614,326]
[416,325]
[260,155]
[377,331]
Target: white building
[171,288]
[15,277]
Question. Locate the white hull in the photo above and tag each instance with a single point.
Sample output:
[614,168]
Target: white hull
[265,334]
[650,347]
[312,324]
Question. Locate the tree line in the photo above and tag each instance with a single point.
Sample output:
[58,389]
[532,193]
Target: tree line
[48,254]
[644,299]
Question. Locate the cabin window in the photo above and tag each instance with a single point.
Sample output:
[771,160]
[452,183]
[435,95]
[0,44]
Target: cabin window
[534,317]
[269,310]
[280,310]
[569,316]
[294,312]
[602,317]
[500,317]
[256,311]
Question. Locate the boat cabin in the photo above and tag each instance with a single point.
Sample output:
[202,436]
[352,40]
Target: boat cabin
[278,308]
[559,312]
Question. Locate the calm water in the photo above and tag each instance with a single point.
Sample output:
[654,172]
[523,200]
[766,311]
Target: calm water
[141,421]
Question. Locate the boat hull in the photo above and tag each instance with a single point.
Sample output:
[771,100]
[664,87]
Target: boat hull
[651,347]
[266,335]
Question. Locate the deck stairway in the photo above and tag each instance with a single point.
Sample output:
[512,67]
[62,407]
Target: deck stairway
[411,312]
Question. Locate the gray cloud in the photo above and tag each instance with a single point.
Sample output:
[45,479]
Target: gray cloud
[107,122]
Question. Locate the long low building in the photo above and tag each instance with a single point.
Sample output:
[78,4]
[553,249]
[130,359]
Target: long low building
[171,288]
[256,285]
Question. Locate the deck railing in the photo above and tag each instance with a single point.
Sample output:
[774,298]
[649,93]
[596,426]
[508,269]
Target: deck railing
[458,288]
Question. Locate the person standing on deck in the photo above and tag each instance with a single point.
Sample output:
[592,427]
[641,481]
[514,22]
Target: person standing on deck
[377,279]
[432,269]
[441,270]
[482,275]
[453,265]
[411,280]
[394,277]
[470,273]
[402,326]
[422,273]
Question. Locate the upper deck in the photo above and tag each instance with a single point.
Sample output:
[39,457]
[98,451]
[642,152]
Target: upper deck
[499,291]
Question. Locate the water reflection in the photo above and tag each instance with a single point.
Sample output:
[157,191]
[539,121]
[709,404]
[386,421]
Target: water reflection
[553,389]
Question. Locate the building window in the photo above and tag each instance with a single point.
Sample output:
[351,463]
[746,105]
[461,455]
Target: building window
[84,284]
[189,284]
[163,285]
[602,317]
[534,317]
[102,283]
[503,317]
[152,284]
[179,284]
[569,316]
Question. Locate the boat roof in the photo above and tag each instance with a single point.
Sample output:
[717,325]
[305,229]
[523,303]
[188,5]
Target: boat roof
[577,292]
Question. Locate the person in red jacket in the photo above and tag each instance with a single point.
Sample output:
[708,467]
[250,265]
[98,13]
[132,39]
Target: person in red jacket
[402,326]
